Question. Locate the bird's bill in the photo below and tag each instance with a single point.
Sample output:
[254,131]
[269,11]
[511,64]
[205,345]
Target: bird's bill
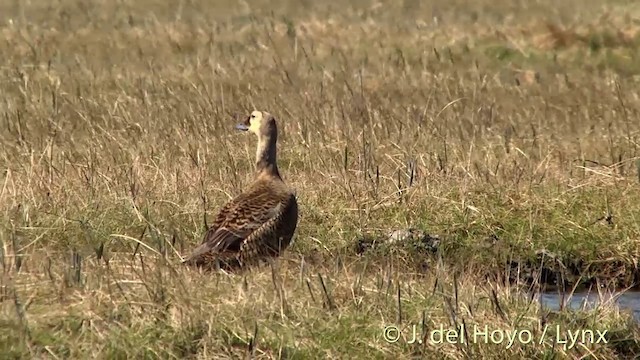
[244,126]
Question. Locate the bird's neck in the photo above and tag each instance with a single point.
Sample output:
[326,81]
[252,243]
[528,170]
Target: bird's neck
[266,163]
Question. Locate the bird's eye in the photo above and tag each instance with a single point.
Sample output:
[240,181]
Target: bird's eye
[253,116]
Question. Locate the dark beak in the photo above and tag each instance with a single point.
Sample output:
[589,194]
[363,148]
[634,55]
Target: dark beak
[243,126]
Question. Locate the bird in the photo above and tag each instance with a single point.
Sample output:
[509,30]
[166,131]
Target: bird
[259,223]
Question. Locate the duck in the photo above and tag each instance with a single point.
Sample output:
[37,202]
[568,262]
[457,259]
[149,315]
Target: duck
[259,223]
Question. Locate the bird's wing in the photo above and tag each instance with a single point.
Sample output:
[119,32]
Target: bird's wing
[222,214]
[241,219]
[265,240]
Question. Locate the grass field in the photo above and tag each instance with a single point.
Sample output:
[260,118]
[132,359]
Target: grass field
[509,129]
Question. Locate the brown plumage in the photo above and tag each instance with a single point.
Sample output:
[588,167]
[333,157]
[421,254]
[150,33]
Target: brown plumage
[260,222]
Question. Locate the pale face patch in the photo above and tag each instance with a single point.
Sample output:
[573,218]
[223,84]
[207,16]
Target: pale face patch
[255,119]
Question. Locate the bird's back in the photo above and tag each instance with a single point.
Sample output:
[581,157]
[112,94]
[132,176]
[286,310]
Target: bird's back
[258,223]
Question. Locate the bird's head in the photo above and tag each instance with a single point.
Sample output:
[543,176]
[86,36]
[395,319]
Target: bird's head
[260,123]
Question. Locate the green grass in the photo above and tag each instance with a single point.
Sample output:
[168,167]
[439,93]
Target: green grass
[508,129]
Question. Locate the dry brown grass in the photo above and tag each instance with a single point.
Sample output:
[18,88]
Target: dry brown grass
[507,129]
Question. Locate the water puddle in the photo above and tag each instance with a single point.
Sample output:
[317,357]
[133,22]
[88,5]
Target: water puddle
[629,300]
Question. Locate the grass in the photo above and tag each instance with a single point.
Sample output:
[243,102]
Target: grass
[508,129]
